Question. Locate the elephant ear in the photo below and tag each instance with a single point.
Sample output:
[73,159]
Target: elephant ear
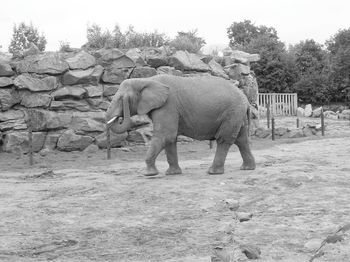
[153,95]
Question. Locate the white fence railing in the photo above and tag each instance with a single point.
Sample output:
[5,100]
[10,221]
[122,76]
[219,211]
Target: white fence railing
[281,104]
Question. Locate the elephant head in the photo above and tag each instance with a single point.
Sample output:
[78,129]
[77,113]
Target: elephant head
[135,96]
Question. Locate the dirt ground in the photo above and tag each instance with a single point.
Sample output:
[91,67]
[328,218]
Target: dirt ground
[81,207]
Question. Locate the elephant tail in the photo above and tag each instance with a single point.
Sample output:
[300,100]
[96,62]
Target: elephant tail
[248,119]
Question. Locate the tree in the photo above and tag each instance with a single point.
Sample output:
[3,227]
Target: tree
[23,35]
[188,41]
[242,33]
[339,63]
[97,38]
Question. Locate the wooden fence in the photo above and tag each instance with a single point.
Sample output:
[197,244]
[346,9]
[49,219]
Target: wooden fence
[281,104]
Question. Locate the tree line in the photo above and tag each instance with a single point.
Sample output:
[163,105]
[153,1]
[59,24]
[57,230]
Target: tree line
[319,73]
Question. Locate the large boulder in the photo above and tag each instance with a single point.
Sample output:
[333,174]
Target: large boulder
[46,63]
[308,110]
[300,112]
[26,81]
[69,141]
[81,60]
[217,69]
[76,92]
[169,70]
[5,69]
[11,115]
[5,81]
[296,133]
[86,125]
[317,112]
[15,124]
[241,57]
[136,55]
[19,140]
[80,105]
[48,120]
[51,140]
[110,90]
[89,76]
[116,75]
[116,140]
[184,60]
[142,72]
[35,99]
[8,98]
[106,56]
[330,114]
[93,91]
[262,132]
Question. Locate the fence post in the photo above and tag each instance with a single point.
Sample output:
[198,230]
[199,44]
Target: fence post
[298,122]
[268,113]
[322,121]
[108,136]
[30,140]
[273,128]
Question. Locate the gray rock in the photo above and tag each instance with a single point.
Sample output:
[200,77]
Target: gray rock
[142,72]
[110,90]
[313,244]
[14,124]
[25,81]
[80,105]
[295,133]
[8,98]
[157,60]
[44,151]
[241,57]
[20,140]
[308,110]
[5,81]
[94,91]
[107,56]
[140,136]
[169,70]
[116,75]
[262,132]
[46,63]
[51,140]
[251,251]
[243,216]
[35,99]
[91,149]
[300,112]
[81,60]
[330,114]
[69,141]
[117,140]
[47,120]
[136,55]
[89,76]
[317,112]
[86,125]
[184,60]
[217,69]
[346,112]
[5,69]
[122,62]
[232,204]
[280,131]
[76,92]
[308,131]
[11,115]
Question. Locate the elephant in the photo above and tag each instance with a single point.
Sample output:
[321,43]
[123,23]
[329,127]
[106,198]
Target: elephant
[203,108]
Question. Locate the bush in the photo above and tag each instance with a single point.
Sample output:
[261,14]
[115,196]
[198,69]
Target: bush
[23,36]
[188,41]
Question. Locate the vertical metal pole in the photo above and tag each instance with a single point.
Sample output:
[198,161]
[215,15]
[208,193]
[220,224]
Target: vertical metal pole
[268,115]
[273,128]
[322,121]
[30,141]
[298,122]
[108,135]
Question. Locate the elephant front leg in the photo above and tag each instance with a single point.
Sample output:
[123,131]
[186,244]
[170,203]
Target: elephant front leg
[157,144]
[219,160]
[171,154]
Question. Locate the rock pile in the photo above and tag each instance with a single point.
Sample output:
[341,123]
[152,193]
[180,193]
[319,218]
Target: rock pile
[341,112]
[283,132]
[65,95]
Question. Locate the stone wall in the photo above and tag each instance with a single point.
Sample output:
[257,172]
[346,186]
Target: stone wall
[65,95]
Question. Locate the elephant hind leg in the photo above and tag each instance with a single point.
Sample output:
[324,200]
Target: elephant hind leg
[219,159]
[171,154]
[242,142]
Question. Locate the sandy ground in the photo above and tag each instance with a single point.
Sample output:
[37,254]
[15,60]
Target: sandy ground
[82,207]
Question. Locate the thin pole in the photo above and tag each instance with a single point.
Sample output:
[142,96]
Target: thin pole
[298,122]
[210,144]
[322,121]
[273,128]
[268,115]
[108,134]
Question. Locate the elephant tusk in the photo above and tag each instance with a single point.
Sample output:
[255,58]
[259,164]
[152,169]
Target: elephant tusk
[112,120]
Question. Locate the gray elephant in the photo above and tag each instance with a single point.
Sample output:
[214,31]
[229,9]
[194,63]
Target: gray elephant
[204,108]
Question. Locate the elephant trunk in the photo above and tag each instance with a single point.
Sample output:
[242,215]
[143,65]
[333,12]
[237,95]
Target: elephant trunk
[122,125]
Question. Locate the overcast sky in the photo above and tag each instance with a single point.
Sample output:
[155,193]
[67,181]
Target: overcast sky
[67,20]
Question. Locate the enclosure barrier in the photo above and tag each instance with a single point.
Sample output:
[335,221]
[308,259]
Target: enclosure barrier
[280,104]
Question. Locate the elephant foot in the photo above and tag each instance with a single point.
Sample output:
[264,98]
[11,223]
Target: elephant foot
[216,170]
[151,171]
[173,171]
[247,166]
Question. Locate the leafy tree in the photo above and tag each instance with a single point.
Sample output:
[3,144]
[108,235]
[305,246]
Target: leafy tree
[188,41]
[242,33]
[97,38]
[23,35]
[339,63]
